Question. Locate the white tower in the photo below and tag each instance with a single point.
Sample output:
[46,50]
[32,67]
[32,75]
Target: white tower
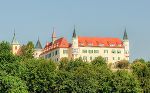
[38,49]
[126,45]
[15,45]
[75,49]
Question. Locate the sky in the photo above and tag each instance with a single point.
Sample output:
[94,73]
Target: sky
[100,18]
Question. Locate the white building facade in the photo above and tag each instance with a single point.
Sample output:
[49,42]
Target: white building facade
[87,48]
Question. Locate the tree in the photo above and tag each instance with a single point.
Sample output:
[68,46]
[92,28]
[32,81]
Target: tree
[27,51]
[5,47]
[39,75]
[63,63]
[64,82]
[124,82]
[99,61]
[12,84]
[84,80]
[123,64]
[142,72]
[103,76]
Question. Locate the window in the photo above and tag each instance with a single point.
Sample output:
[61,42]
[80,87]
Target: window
[101,45]
[106,51]
[90,51]
[57,59]
[90,44]
[106,58]
[119,45]
[81,44]
[96,51]
[126,52]
[84,58]
[49,55]
[65,51]
[84,51]
[56,52]
[119,51]
[113,58]
[53,53]
[113,51]
[91,58]
[112,45]
[118,58]
[16,48]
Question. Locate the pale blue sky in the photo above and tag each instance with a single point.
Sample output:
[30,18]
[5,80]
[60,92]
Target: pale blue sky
[103,18]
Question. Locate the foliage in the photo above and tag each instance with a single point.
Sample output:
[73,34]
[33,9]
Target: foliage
[5,48]
[123,64]
[12,84]
[39,75]
[23,74]
[141,70]
[99,61]
[27,50]
[124,82]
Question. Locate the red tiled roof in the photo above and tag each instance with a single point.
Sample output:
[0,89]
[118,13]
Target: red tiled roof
[59,43]
[101,42]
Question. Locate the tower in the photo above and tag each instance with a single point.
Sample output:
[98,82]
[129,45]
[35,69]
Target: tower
[126,45]
[15,45]
[53,36]
[75,49]
[38,49]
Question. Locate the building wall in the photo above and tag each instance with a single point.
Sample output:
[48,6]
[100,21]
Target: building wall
[56,54]
[110,54]
[15,48]
[37,53]
[88,54]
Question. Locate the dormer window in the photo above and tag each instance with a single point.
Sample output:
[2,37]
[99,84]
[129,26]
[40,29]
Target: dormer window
[119,45]
[112,45]
[101,45]
[81,44]
[90,44]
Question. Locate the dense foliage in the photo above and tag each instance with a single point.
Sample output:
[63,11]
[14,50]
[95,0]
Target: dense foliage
[24,74]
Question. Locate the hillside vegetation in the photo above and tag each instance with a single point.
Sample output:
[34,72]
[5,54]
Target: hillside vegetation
[24,74]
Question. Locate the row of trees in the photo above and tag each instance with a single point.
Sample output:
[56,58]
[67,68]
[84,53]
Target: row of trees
[24,74]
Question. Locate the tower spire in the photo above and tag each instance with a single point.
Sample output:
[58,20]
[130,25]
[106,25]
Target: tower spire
[14,41]
[74,32]
[38,44]
[125,37]
[53,35]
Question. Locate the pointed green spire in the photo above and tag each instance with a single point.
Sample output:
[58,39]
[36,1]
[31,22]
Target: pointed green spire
[125,37]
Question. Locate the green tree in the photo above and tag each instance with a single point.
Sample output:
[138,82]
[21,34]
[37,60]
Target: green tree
[64,82]
[27,50]
[39,75]
[5,47]
[99,61]
[12,84]
[124,82]
[84,80]
[142,72]
[123,64]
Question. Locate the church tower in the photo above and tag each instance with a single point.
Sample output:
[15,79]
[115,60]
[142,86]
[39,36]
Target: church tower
[38,49]
[126,45]
[53,36]
[15,45]
[75,49]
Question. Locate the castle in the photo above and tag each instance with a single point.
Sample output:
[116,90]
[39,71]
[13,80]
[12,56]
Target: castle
[87,48]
